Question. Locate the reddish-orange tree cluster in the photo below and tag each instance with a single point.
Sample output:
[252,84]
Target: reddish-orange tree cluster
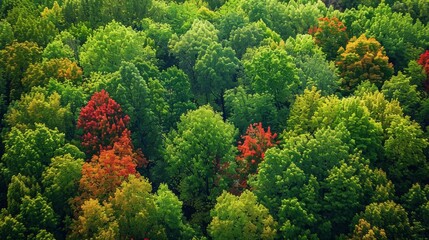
[107,138]
[252,151]
[330,35]
[103,123]
[424,61]
[105,172]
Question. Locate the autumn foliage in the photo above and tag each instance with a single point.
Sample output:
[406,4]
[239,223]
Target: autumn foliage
[102,122]
[105,172]
[39,74]
[424,61]
[363,59]
[330,35]
[252,150]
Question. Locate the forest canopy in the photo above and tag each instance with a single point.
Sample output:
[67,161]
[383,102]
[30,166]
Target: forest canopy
[214,119]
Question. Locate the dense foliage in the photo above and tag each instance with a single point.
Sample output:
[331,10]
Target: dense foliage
[214,119]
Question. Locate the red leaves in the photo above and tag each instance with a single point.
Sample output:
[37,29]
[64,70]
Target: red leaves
[108,141]
[252,151]
[102,121]
[424,61]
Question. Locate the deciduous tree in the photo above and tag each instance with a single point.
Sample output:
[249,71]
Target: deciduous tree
[106,171]
[363,59]
[15,60]
[252,150]
[272,71]
[330,35]
[235,217]
[110,45]
[200,156]
[102,122]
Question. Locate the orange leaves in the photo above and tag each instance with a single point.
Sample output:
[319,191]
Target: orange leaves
[107,138]
[363,59]
[105,172]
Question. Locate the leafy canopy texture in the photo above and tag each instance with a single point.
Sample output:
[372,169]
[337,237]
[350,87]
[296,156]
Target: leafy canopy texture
[241,217]
[110,45]
[200,156]
[102,122]
[363,59]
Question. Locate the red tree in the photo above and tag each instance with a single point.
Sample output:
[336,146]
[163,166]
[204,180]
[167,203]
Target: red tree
[424,61]
[252,151]
[103,122]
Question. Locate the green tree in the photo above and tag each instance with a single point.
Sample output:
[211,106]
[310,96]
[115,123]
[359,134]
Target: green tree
[61,182]
[405,160]
[313,68]
[161,34]
[418,9]
[365,132]
[140,220]
[287,18]
[389,216]
[215,72]
[342,197]
[6,34]
[251,35]
[403,37]
[228,21]
[178,95]
[29,151]
[272,71]
[36,213]
[29,25]
[57,49]
[16,190]
[36,107]
[400,88]
[11,228]
[170,215]
[415,201]
[241,217]
[303,109]
[153,215]
[278,178]
[244,109]
[110,45]
[297,220]
[190,45]
[200,156]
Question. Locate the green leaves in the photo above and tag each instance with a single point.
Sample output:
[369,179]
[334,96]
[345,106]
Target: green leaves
[200,156]
[272,71]
[236,217]
[29,151]
[110,45]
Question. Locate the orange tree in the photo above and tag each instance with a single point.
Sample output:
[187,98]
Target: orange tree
[363,59]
